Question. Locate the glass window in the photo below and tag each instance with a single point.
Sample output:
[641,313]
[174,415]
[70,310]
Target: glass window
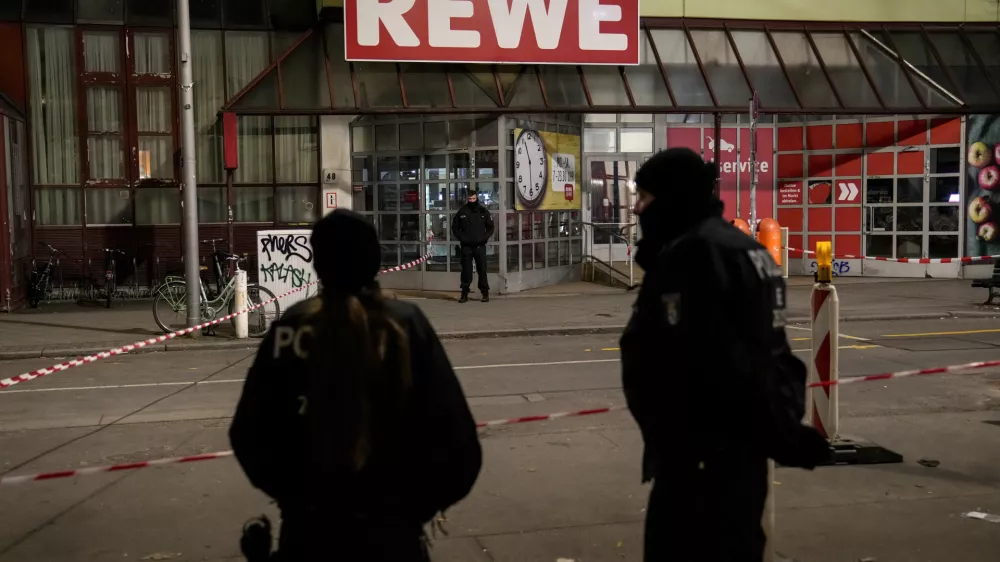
[109,206]
[426,85]
[564,252]
[987,45]
[460,166]
[909,246]
[460,133]
[914,51]
[943,218]
[244,13]
[409,168]
[385,137]
[489,194]
[437,227]
[388,227]
[439,258]
[599,140]
[387,197]
[409,197]
[939,246]
[212,205]
[205,13]
[721,67]
[297,204]
[209,96]
[944,189]
[378,84]
[513,261]
[879,190]
[576,250]
[304,76]
[52,86]
[436,134]
[362,139]
[946,160]
[526,253]
[636,140]
[886,73]
[487,131]
[361,196]
[58,206]
[563,86]
[154,113]
[253,204]
[436,196]
[158,205]
[682,68]
[436,167]
[152,53]
[804,70]
[390,255]
[55,11]
[879,245]
[525,91]
[295,149]
[553,260]
[487,164]
[909,219]
[247,56]
[845,70]
[101,51]
[255,151]
[105,151]
[361,169]
[388,168]
[763,68]
[645,80]
[410,136]
[910,190]
[410,229]
[150,12]
[600,117]
[513,220]
[880,219]
[972,83]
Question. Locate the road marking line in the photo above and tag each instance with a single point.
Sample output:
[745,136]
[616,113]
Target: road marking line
[931,334]
[610,349]
[542,364]
[840,347]
[845,336]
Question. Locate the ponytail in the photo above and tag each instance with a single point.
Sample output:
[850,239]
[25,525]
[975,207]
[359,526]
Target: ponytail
[359,379]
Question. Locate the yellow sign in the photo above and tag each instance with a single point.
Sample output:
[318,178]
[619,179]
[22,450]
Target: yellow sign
[546,171]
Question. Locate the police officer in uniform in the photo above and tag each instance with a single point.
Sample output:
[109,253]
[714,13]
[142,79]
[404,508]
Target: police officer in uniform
[473,228]
[707,371]
[351,416]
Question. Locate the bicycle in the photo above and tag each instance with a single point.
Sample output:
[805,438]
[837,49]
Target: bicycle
[173,294]
[221,276]
[38,287]
[110,274]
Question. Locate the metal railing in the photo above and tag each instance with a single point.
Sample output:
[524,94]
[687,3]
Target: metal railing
[621,232]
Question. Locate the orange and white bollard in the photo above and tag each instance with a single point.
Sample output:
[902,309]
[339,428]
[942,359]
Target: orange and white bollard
[822,402]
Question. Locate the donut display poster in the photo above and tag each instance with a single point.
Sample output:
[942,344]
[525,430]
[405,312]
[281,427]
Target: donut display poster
[982,185]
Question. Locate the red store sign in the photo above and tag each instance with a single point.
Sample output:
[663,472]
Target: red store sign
[790,193]
[493,31]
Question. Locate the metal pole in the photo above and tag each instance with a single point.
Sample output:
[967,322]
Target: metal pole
[718,155]
[189,184]
[754,115]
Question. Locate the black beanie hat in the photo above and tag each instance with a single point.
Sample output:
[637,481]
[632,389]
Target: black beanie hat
[679,175]
[346,252]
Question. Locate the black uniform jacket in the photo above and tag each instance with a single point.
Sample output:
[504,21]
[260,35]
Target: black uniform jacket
[441,457]
[706,366]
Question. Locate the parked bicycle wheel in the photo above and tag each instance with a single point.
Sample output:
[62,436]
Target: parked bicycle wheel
[110,285]
[170,306]
[260,318]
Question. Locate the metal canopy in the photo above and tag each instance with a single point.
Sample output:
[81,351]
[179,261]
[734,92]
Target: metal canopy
[688,66]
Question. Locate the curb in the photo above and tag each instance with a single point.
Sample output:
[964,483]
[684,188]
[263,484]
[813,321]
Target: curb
[67,350]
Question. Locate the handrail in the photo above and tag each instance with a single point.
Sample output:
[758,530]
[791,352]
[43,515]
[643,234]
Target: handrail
[616,235]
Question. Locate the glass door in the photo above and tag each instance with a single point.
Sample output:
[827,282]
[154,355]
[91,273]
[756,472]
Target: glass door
[609,200]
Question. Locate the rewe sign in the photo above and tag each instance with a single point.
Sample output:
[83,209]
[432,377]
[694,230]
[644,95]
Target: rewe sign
[493,31]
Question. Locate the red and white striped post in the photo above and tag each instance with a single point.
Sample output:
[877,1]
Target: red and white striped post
[822,403]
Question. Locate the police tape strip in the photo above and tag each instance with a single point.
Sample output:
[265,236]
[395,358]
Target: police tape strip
[21,479]
[914,373]
[971,259]
[6,383]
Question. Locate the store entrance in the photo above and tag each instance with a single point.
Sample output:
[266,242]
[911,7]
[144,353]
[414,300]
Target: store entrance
[609,201]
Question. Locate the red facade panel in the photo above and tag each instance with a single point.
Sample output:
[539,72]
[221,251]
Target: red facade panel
[819,137]
[881,164]
[946,131]
[850,135]
[880,134]
[848,165]
[12,77]
[790,166]
[789,138]
[912,132]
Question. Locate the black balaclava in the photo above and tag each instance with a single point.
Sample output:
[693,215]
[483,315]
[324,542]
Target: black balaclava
[683,186]
[470,192]
[346,252]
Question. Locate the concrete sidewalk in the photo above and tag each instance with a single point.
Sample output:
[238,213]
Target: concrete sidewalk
[69,329]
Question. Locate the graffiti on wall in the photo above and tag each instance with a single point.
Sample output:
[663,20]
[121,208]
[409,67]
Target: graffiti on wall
[285,263]
[840,268]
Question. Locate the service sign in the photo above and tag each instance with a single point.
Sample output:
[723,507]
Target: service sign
[493,31]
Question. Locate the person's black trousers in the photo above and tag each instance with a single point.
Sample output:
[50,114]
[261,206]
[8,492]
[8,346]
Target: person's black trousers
[477,253]
[709,514]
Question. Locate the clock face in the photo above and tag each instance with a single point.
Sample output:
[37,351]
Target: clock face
[531,169]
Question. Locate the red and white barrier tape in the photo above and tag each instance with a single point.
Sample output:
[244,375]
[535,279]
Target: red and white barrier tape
[21,479]
[6,383]
[915,373]
[902,260]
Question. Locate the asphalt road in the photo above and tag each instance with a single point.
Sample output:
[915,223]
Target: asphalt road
[566,488]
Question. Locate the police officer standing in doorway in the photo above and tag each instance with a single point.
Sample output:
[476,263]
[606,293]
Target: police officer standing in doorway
[473,228]
[351,417]
[707,371]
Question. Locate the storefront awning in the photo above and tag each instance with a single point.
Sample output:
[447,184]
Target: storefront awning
[688,66]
